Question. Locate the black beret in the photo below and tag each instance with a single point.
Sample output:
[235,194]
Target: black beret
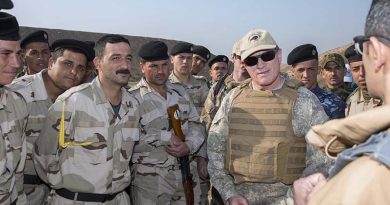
[91,47]
[36,36]
[302,53]
[6,4]
[9,27]
[81,46]
[352,55]
[182,47]
[202,51]
[219,58]
[153,51]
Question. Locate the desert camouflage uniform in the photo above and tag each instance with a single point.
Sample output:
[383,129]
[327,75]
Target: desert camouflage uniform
[157,177]
[360,101]
[97,148]
[196,88]
[214,98]
[33,90]
[343,91]
[13,115]
[333,105]
[307,111]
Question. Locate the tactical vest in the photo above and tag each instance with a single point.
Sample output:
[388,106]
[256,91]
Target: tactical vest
[261,146]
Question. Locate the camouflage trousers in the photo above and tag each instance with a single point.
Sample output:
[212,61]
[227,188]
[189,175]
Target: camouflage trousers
[121,198]
[36,194]
[161,186]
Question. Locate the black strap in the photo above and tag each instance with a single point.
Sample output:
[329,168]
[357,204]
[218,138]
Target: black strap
[32,179]
[85,197]
[14,202]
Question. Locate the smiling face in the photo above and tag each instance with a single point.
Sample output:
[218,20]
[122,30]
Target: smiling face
[9,60]
[114,66]
[265,74]
[67,70]
[36,56]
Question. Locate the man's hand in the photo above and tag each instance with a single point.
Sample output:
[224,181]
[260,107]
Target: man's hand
[238,200]
[304,187]
[202,167]
[177,148]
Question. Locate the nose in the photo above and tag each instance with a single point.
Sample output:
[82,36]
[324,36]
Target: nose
[15,61]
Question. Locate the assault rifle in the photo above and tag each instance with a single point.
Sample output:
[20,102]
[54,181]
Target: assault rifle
[174,119]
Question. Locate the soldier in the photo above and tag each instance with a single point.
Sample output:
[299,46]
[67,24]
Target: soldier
[333,70]
[67,68]
[196,86]
[224,85]
[359,100]
[200,57]
[86,143]
[158,177]
[255,144]
[361,173]
[91,70]
[36,52]
[13,113]
[304,62]
[218,68]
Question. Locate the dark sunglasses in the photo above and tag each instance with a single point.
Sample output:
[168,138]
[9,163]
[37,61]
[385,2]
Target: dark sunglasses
[265,57]
[359,40]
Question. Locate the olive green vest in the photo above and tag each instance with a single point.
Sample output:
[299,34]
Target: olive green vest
[261,146]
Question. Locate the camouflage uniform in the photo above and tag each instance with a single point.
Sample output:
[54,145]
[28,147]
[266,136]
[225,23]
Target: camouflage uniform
[12,147]
[214,98]
[333,105]
[343,91]
[93,154]
[157,176]
[196,88]
[307,111]
[33,90]
[360,101]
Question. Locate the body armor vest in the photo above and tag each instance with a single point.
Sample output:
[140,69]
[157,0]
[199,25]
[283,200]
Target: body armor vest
[261,146]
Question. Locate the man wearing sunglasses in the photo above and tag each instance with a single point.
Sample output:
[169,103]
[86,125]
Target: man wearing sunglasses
[361,174]
[304,62]
[359,100]
[256,143]
[333,71]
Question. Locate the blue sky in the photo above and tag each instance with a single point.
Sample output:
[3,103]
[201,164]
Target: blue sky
[216,24]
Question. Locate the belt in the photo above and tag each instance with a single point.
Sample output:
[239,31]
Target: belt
[32,179]
[85,197]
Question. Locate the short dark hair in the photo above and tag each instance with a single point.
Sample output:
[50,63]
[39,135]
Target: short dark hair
[110,38]
[60,52]
[378,20]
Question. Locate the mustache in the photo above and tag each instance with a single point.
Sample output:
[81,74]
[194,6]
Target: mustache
[123,71]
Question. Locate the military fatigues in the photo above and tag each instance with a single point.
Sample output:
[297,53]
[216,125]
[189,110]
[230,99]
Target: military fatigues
[214,98]
[13,115]
[88,152]
[360,101]
[333,105]
[343,91]
[247,116]
[157,176]
[33,90]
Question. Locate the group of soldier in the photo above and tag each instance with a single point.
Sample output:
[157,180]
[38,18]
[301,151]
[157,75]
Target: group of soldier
[74,132]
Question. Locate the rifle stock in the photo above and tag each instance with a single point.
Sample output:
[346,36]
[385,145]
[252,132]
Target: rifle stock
[174,118]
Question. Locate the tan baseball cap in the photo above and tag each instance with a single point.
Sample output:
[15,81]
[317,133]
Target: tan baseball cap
[236,48]
[256,40]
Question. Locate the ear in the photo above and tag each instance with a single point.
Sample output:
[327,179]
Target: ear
[210,72]
[50,64]
[141,65]
[376,51]
[279,55]
[171,57]
[96,62]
